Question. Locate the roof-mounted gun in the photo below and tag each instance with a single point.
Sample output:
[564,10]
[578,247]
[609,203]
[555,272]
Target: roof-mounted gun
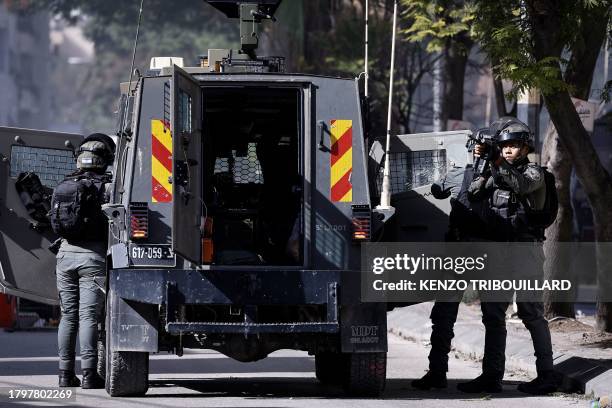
[251,13]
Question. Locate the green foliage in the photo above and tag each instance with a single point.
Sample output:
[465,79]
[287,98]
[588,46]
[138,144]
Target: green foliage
[509,47]
[502,29]
[436,22]
[185,28]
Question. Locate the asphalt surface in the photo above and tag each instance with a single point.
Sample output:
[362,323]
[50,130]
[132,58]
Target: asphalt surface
[285,379]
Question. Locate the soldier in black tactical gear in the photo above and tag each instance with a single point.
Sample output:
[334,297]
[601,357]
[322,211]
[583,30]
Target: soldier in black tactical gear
[512,184]
[77,217]
[466,224]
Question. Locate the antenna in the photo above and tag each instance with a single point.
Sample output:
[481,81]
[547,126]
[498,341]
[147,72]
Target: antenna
[127,98]
[385,196]
[135,45]
[365,86]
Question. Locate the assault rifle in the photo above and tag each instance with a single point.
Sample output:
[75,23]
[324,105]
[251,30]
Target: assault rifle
[482,136]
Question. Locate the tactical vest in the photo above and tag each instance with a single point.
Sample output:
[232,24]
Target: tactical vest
[510,215]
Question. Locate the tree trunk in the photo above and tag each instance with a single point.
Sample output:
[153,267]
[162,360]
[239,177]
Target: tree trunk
[500,98]
[556,266]
[603,235]
[456,57]
[579,75]
[585,50]
[546,22]
[596,183]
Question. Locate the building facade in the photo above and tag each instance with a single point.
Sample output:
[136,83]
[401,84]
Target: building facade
[25,96]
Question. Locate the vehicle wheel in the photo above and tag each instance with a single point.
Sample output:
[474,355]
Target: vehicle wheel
[365,374]
[329,367]
[127,372]
[101,367]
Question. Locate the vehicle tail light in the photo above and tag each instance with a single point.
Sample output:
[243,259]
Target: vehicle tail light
[362,218]
[139,220]
[207,241]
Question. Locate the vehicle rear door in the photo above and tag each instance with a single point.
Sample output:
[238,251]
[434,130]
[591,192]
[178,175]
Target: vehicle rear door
[186,125]
[27,266]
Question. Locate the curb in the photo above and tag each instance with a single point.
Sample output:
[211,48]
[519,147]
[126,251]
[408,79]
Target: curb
[577,374]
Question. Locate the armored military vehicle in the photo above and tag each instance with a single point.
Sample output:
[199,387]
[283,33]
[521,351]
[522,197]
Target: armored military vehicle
[241,198]
[242,195]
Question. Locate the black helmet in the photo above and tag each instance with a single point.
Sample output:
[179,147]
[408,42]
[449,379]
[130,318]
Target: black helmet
[105,147]
[497,125]
[510,128]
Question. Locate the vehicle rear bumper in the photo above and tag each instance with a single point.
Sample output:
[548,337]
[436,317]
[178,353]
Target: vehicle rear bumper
[137,292]
[262,287]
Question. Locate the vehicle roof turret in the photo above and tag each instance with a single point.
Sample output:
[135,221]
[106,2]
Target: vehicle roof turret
[231,8]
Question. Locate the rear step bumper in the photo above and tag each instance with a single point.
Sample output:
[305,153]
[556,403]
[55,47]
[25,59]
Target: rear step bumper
[136,293]
[252,328]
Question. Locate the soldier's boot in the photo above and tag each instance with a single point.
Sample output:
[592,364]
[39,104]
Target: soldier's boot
[482,383]
[544,383]
[433,379]
[91,379]
[68,379]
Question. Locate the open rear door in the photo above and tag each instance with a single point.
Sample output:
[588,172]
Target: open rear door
[27,267]
[187,153]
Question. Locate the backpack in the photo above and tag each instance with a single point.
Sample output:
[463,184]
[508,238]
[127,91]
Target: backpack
[546,216]
[76,207]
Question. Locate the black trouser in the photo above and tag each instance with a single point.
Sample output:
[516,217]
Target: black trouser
[494,319]
[444,315]
[530,311]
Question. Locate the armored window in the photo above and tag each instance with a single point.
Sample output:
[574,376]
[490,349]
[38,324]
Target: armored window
[51,165]
[413,169]
[184,112]
[243,170]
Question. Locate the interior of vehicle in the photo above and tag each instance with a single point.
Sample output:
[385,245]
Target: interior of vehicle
[253,175]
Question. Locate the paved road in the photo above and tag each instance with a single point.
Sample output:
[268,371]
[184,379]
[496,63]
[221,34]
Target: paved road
[285,379]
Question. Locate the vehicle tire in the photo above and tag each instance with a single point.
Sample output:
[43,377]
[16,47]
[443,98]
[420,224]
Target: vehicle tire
[127,372]
[101,367]
[329,367]
[365,374]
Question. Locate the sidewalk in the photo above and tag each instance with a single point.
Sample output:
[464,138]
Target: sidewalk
[581,355]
